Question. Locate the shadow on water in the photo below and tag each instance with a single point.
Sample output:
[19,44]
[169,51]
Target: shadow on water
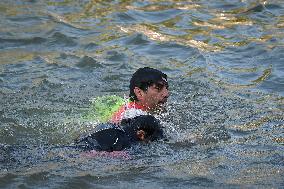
[224,120]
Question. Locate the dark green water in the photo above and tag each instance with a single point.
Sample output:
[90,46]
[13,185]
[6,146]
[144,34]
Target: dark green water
[225,119]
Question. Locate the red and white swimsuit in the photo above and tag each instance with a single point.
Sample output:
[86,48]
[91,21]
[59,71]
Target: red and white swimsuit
[128,111]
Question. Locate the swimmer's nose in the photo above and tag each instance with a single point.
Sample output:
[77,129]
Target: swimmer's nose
[166,93]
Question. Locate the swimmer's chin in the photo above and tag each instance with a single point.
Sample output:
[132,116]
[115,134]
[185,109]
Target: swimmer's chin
[164,101]
[161,107]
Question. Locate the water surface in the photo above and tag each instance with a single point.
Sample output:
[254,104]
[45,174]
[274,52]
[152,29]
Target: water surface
[224,60]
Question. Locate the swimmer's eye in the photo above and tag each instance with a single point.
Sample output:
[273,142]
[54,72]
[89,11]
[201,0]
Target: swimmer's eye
[160,86]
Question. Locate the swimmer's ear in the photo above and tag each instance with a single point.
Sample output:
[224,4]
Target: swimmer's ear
[140,135]
[138,92]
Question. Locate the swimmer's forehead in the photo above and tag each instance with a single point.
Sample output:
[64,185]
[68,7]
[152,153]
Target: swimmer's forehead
[161,83]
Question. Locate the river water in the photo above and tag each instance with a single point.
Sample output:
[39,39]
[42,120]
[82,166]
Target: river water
[225,63]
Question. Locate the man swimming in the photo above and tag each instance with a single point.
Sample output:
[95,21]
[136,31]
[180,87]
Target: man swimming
[133,122]
[148,93]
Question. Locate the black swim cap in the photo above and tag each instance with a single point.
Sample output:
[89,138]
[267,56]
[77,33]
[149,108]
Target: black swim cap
[143,78]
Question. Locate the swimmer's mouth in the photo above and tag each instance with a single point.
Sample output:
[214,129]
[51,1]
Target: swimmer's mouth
[163,101]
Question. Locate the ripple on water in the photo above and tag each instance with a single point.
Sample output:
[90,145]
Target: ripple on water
[225,65]
[88,62]
[16,42]
[60,39]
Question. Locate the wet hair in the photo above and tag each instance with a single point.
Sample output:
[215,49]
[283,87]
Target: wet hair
[144,78]
[147,123]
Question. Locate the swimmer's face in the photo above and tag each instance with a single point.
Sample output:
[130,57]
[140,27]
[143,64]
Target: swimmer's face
[142,136]
[155,96]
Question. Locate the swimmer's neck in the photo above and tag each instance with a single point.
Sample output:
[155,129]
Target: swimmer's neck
[144,107]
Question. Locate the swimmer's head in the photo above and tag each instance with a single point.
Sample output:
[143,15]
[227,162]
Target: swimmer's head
[149,87]
[143,128]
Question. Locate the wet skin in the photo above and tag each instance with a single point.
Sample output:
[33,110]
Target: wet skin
[154,97]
